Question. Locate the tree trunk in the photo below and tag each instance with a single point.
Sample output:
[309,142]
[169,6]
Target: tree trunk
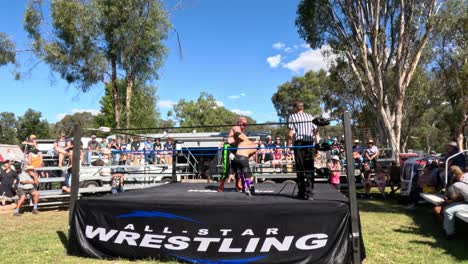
[389,129]
[128,97]
[115,94]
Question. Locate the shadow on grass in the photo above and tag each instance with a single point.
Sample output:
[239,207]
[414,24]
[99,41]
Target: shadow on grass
[427,225]
[63,238]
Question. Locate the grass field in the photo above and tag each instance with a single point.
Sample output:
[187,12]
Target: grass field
[391,235]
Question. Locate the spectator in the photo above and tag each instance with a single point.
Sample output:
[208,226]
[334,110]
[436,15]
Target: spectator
[123,149]
[66,188]
[277,160]
[260,156]
[371,154]
[61,148]
[28,182]
[103,144]
[148,148]
[269,146]
[335,168]
[8,180]
[157,147]
[117,180]
[395,180]
[357,153]
[114,146]
[168,151]
[458,201]
[366,179]
[135,147]
[93,148]
[29,144]
[380,179]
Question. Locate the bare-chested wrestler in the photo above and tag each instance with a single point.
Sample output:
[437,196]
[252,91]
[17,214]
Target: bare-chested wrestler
[240,164]
[227,149]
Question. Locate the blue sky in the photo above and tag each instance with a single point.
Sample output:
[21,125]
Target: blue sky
[238,51]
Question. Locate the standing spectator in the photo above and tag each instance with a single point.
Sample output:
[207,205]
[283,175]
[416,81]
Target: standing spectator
[366,179]
[30,144]
[260,155]
[114,146]
[148,148]
[28,182]
[395,181]
[157,147]
[269,146]
[335,169]
[371,154]
[123,149]
[93,148]
[380,179]
[8,180]
[135,147]
[61,148]
[302,134]
[103,144]
[168,150]
[357,153]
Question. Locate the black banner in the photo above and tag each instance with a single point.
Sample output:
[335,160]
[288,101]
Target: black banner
[289,231]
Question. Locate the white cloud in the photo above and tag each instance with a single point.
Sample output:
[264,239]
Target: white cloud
[93,112]
[288,49]
[219,103]
[274,61]
[309,60]
[242,94]
[242,112]
[166,103]
[233,97]
[305,46]
[279,45]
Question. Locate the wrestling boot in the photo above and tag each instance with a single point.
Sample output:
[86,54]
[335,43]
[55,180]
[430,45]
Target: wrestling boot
[239,185]
[221,186]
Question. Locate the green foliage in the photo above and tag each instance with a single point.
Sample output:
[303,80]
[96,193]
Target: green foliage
[93,40]
[31,123]
[204,112]
[85,119]
[143,106]
[8,128]
[7,50]
[306,89]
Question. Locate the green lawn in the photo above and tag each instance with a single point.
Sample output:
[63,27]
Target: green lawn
[391,235]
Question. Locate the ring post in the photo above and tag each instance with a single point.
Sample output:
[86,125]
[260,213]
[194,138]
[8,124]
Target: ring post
[75,181]
[355,232]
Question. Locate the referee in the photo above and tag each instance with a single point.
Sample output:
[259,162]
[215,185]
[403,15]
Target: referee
[301,135]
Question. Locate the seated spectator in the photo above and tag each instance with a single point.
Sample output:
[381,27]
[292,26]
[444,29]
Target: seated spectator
[260,155]
[148,149]
[135,157]
[371,154]
[123,148]
[366,179]
[335,168]
[29,144]
[357,154]
[458,201]
[168,151]
[61,148]
[157,147]
[380,179]
[277,159]
[66,187]
[117,180]
[269,146]
[8,180]
[28,182]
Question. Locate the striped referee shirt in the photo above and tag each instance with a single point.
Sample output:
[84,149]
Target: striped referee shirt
[302,125]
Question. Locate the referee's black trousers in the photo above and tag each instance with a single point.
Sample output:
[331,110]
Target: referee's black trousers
[303,156]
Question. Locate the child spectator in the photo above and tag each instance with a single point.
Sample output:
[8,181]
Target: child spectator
[366,179]
[335,168]
[380,179]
